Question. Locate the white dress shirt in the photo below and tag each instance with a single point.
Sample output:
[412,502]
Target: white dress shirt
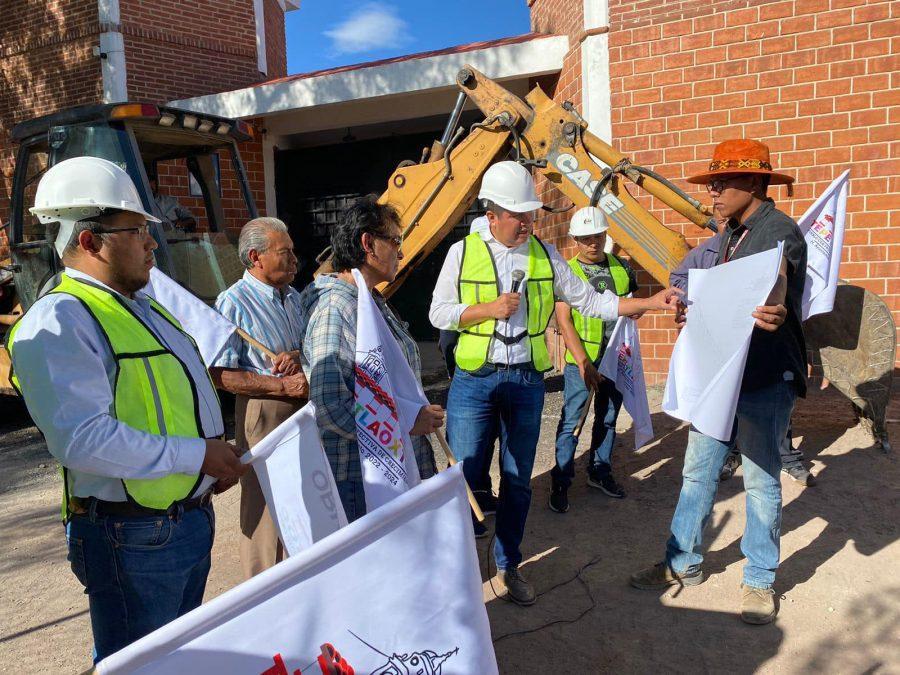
[66,371]
[480,224]
[446,307]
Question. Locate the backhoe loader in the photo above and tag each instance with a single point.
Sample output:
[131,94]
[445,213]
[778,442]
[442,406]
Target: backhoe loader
[855,345]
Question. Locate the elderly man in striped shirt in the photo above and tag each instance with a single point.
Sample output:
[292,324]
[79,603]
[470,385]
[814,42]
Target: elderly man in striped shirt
[265,306]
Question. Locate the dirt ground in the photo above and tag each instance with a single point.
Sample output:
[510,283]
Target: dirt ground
[838,583]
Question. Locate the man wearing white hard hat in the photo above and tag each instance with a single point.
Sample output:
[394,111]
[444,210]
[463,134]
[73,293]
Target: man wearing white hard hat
[586,338]
[126,406]
[498,288]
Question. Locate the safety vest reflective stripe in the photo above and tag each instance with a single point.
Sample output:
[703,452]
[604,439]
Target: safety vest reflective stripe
[153,390]
[478,283]
[590,329]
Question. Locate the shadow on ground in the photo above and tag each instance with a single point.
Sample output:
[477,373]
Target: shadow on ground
[698,629]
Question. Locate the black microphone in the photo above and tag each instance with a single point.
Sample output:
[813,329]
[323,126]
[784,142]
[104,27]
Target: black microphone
[517,277]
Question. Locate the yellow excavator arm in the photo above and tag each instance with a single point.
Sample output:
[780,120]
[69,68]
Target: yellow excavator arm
[432,196]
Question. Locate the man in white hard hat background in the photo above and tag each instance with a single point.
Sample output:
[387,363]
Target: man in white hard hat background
[126,406]
[497,288]
[586,339]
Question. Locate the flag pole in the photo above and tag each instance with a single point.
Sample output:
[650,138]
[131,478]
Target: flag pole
[256,343]
[584,414]
[450,458]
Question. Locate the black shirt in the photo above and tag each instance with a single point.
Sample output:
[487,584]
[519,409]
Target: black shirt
[772,355]
[600,279]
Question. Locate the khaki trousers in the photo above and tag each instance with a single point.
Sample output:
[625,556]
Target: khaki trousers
[260,547]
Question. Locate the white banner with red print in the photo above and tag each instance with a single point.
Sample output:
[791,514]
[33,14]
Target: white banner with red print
[823,228]
[397,591]
[388,400]
[621,363]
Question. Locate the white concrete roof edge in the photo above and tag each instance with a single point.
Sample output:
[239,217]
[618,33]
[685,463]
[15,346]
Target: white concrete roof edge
[537,56]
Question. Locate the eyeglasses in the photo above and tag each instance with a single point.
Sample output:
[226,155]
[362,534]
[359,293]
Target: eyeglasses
[396,241]
[142,230]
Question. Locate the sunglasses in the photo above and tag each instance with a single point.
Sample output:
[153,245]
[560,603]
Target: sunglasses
[396,241]
[721,184]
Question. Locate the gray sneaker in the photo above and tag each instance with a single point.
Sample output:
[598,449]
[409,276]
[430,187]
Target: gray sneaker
[757,605]
[520,591]
[799,474]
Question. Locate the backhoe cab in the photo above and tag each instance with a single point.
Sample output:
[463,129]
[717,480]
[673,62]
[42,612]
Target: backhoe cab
[188,157]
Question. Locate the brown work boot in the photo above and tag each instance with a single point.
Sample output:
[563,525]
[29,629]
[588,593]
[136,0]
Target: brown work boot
[520,591]
[757,605]
[661,575]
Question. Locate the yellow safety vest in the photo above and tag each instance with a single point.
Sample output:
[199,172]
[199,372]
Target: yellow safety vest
[478,283]
[590,329]
[152,392]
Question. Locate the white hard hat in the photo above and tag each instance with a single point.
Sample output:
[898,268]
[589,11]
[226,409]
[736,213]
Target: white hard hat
[587,221]
[80,188]
[510,185]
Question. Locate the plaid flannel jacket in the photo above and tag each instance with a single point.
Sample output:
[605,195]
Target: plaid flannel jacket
[328,322]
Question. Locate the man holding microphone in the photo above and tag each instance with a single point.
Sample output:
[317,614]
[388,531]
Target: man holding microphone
[498,288]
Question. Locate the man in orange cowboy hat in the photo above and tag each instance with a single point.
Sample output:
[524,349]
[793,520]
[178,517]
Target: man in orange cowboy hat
[738,179]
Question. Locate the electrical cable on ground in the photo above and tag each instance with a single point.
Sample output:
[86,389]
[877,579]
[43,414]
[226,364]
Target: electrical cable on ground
[577,577]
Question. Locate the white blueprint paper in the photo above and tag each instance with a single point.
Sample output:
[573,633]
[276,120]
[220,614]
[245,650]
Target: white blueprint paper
[708,361]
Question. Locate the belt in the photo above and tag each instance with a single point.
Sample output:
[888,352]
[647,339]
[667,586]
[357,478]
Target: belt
[129,509]
[510,366]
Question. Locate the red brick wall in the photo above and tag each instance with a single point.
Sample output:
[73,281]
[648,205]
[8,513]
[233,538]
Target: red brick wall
[817,80]
[173,52]
[561,17]
[252,156]
[276,45]
[178,50]
[46,63]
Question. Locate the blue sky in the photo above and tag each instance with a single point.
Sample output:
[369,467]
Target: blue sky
[330,33]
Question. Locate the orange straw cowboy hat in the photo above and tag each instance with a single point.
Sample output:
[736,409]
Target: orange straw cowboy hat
[742,155]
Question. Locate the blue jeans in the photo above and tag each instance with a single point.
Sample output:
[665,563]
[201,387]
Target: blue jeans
[353,498]
[476,401]
[760,427]
[607,402]
[139,573]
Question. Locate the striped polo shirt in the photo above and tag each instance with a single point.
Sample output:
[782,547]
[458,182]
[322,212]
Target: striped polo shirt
[265,313]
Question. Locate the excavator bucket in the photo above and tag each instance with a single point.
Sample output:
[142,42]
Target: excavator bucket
[856,344]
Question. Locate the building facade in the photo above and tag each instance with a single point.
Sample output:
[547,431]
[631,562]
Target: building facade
[817,80]
[62,53]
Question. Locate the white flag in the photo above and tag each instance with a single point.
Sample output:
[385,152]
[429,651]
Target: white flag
[397,591]
[823,228]
[621,363]
[388,399]
[297,482]
[209,329]
[707,364]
